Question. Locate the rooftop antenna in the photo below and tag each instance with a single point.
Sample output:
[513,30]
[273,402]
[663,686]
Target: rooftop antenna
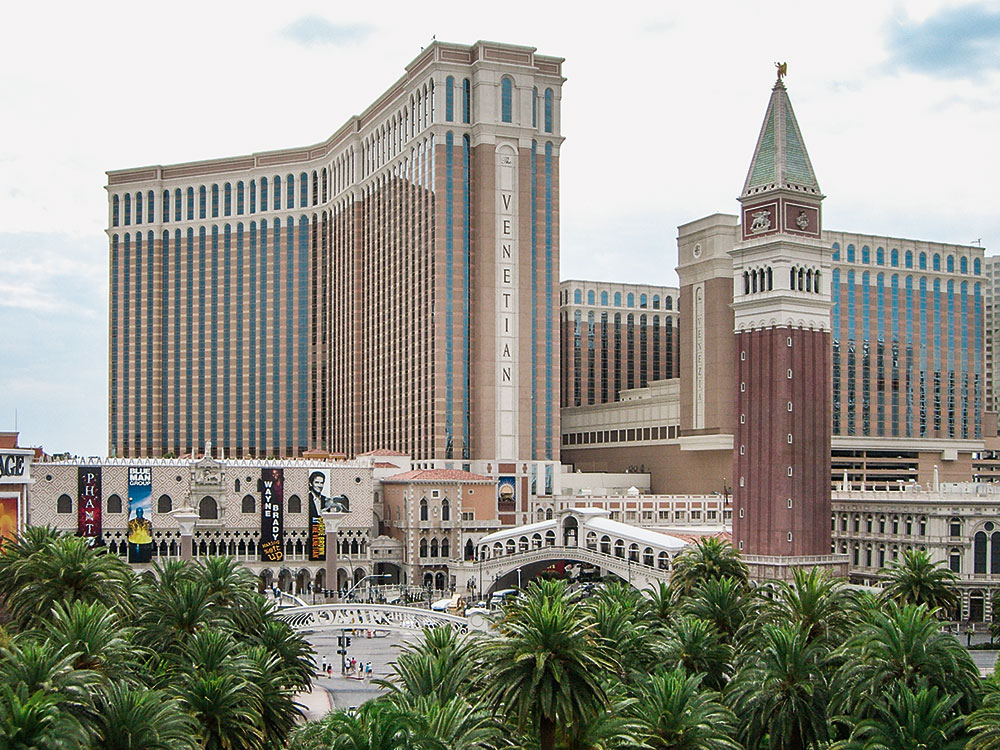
[977,242]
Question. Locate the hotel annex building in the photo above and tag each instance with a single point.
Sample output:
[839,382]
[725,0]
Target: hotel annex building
[392,287]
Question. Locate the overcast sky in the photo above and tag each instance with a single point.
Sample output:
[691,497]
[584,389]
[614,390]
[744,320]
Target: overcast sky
[899,105]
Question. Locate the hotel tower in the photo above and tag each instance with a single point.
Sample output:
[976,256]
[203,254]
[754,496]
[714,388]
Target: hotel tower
[392,287]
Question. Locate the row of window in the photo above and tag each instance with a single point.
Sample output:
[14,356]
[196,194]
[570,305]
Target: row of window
[208,507]
[213,201]
[620,436]
[434,548]
[949,260]
[668,301]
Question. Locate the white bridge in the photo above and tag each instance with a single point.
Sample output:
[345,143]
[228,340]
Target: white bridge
[374,617]
[639,556]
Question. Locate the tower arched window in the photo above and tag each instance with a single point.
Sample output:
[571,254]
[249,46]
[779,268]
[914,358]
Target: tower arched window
[249,504]
[445,510]
[865,254]
[466,101]
[227,199]
[548,110]
[850,253]
[578,296]
[128,209]
[506,100]
[923,261]
[239,198]
[138,208]
[166,206]
[290,187]
[534,107]
[434,547]
[618,299]
[115,207]
[604,299]
[423,548]
[253,196]
[631,299]
[449,99]
[164,504]
[979,553]
[937,261]
[277,192]
[303,190]
[879,256]
[202,202]
[263,193]
[792,278]
[894,257]
[64,504]
[215,201]
[423,509]
[445,547]
[591,298]
[963,264]
[908,259]
[150,208]
[950,264]
[208,509]
[976,267]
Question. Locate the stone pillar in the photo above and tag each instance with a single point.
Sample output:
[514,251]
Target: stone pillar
[187,518]
[331,522]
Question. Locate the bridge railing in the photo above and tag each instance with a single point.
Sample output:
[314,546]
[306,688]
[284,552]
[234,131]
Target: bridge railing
[582,553]
[371,617]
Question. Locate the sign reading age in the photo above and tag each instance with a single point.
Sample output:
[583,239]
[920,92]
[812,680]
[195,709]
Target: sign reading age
[272,530]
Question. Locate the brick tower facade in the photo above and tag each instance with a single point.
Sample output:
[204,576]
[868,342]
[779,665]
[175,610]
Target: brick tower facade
[781,305]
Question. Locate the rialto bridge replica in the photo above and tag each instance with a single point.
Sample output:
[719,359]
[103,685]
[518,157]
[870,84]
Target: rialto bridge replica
[258,511]
[580,537]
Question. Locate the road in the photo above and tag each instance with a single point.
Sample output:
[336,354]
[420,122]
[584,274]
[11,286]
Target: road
[348,692]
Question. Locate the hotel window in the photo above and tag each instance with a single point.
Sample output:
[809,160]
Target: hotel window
[449,99]
[631,300]
[865,254]
[879,257]
[642,300]
[202,202]
[894,258]
[253,196]
[166,206]
[263,193]
[604,299]
[963,264]
[190,204]
[227,199]
[955,527]
[277,192]
[303,190]
[618,299]
[850,253]
[315,188]
[955,560]
[215,201]
[577,296]
[950,265]
[937,262]
[534,107]
[591,299]
[290,182]
[506,100]
[976,267]
[656,301]
[114,211]
[128,209]
[923,261]
[466,101]
[138,208]
[150,213]
[239,198]
[548,110]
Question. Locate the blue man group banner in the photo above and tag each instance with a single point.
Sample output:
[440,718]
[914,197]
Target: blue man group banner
[88,503]
[272,529]
[140,513]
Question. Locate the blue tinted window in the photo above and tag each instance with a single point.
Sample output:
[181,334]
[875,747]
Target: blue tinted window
[950,264]
[190,204]
[263,193]
[836,251]
[303,190]
[865,255]
[227,199]
[506,100]
[128,209]
[894,258]
[253,196]
[850,253]
[202,202]
[449,99]
[466,100]
[963,264]
[631,299]
[150,213]
[548,110]
[618,299]
[290,182]
[937,262]
[880,257]
[177,204]
[215,201]
[578,296]
[591,298]
[114,211]
[604,298]
[277,193]
[166,205]
[909,259]
[239,197]
[138,209]
[975,266]
[923,261]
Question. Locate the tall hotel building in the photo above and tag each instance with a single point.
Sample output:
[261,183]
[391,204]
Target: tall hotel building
[392,287]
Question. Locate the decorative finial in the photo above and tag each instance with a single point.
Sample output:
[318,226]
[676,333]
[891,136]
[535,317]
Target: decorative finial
[782,69]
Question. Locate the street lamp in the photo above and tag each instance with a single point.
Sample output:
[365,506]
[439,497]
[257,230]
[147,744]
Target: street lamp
[347,596]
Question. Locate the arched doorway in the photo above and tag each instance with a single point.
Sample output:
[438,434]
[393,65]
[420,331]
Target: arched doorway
[285,579]
[570,527]
[440,581]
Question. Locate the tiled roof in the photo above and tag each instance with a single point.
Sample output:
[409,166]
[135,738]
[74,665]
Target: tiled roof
[437,475]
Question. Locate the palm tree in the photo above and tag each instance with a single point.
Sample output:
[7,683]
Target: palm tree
[377,725]
[905,645]
[709,558]
[984,723]
[30,721]
[624,629]
[661,601]
[130,717]
[820,603]
[94,635]
[67,569]
[676,713]
[454,724]
[724,602]
[546,667]
[441,665]
[915,579]
[695,645]
[780,691]
[232,584]
[169,617]
[924,719]
[39,666]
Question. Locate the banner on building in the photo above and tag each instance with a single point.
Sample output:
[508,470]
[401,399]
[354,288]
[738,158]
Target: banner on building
[140,514]
[8,519]
[319,480]
[272,527]
[88,503]
[506,494]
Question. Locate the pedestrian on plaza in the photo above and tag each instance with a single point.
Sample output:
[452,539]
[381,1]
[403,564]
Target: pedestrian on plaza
[324,665]
[368,670]
[329,670]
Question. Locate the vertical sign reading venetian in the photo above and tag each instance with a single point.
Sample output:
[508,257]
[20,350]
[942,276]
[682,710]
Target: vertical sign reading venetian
[88,504]
[140,511]
[506,302]
[272,530]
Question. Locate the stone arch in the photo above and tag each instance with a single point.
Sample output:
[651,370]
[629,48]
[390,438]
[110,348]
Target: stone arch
[208,509]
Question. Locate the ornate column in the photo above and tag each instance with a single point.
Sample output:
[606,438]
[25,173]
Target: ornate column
[187,518]
[331,524]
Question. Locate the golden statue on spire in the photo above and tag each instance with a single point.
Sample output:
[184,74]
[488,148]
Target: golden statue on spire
[782,69]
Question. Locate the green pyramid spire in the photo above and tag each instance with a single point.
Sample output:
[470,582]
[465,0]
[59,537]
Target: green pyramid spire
[780,161]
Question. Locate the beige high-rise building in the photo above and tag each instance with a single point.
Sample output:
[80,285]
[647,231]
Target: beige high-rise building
[392,286]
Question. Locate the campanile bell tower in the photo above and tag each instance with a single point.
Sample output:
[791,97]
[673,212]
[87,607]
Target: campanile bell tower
[781,305]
